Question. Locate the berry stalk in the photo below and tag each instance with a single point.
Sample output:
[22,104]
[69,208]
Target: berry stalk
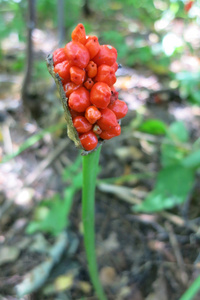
[90,168]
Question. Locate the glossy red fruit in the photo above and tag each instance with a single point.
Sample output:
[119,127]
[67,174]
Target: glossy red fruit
[107,55]
[77,54]
[59,56]
[100,95]
[115,66]
[107,120]
[188,5]
[81,124]
[92,114]
[78,34]
[89,140]
[91,69]
[105,74]
[70,87]
[79,100]
[114,95]
[89,83]
[119,108]
[77,75]
[62,69]
[75,114]
[112,132]
[92,44]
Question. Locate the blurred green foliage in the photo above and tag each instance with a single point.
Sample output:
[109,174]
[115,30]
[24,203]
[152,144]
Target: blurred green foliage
[131,26]
[153,126]
[51,215]
[135,28]
[127,25]
[176,178]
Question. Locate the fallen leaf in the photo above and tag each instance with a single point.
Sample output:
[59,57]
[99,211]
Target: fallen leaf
[108,276]
[8,254]
[64,282]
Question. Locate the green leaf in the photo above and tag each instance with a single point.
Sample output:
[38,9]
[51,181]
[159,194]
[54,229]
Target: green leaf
[153,126]
[192,160]
[172,149]
[172,188]
[171,154]
[177,132]
[71,170]
[192,290]
[54,219]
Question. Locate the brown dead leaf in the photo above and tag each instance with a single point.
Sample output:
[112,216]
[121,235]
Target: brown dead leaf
[108,276]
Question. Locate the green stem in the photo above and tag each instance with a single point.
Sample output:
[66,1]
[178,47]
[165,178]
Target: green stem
[90,167]
[192,291]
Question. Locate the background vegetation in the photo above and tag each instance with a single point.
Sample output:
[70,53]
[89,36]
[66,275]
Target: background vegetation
[147,242]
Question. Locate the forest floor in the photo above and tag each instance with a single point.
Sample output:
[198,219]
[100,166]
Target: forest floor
[140,256]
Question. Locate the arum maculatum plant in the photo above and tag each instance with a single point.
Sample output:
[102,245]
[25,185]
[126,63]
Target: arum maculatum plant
[84,72]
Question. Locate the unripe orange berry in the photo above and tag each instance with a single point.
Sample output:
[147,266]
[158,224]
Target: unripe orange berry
[92,44]
[106,74]
[77,75]
[91,69]
[92,114]
[89,83]
[78,34]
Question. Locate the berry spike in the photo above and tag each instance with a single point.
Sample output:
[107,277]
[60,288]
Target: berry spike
[84,72]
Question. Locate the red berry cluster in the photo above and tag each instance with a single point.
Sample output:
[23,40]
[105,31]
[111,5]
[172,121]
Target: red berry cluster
[87,70]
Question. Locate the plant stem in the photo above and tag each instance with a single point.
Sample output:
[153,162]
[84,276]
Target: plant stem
[29,58]
[90,167]
[192,290]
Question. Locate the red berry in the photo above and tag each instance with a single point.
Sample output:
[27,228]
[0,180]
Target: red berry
[107,120]
[70,87]
[100,95]
[115,66]
[63,70]
[188,5]
[77,54]
[81,124]
[78,34]
[91,69]
[106,74]
[107,55]
[88,140]
[59,56]
[112,132]
[119,108]
[92,44]
[114,95]
[77,75]
[89,83]
[75,114]
[92,114]
[79,100]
